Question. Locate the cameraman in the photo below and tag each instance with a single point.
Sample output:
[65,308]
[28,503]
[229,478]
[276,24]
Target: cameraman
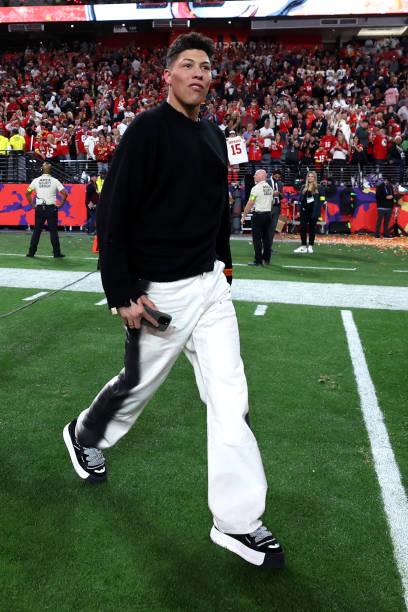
[46,208]
[291,155]
[91,201]
[396,157]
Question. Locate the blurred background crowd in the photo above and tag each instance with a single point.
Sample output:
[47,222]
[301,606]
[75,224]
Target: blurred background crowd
[342,112]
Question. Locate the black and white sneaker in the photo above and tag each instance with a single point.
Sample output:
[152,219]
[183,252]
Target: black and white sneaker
[89,463]
[259,547]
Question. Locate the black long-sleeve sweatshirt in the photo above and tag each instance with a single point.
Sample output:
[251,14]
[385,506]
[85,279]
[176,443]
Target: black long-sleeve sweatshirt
[163,213]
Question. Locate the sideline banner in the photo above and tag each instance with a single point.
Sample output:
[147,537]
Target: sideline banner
[364,216]
[15,210]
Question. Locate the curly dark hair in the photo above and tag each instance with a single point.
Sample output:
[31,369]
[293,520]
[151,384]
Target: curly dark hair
[193,40]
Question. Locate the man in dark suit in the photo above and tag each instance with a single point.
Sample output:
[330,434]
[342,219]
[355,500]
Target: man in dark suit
[384,195]
[396,157]
[277,187]
[320,123]
[91,201]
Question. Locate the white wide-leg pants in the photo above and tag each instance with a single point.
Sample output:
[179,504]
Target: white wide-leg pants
[205,327]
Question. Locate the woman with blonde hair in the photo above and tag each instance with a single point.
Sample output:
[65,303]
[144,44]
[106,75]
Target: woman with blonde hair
[310,201]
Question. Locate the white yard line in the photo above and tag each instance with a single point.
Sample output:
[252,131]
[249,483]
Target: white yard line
[260,310]
[403,271]
[102,302]
[305,267]
[388,474]
[320,268]
[34,297]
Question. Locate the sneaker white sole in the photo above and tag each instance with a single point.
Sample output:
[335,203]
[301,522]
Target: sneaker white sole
[68,443]
[224,540]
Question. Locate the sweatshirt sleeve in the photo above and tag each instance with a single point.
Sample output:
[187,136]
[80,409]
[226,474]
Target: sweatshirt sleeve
[223,240]
[117,209]
[223,247]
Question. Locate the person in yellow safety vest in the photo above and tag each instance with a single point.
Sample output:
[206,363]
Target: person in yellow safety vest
[99,181]
[18,147]
[4,143]
[17,142]
[4,147]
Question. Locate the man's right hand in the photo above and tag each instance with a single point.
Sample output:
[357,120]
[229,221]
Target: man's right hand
[133,314]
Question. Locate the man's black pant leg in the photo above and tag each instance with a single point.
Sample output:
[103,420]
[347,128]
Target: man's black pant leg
[257,237]
[266,236]
[39,220]
[387,219]
[276,210]
[52,218]
[384,214]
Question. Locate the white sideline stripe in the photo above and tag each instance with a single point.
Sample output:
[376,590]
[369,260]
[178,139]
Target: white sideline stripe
[338,295]
[320,268]
[392,491]
[33,297]
[102,302]
[403,271]
[50,279]
[260,310]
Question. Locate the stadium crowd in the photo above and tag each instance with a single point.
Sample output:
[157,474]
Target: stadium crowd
[293,107]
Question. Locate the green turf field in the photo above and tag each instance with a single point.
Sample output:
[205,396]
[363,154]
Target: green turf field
[141,541]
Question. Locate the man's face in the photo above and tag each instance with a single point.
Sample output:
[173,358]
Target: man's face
[188,78]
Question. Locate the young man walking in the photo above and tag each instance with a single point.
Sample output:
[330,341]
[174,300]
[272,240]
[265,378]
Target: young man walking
[160,249]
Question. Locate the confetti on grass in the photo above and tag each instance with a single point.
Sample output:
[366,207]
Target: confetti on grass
[356,240]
